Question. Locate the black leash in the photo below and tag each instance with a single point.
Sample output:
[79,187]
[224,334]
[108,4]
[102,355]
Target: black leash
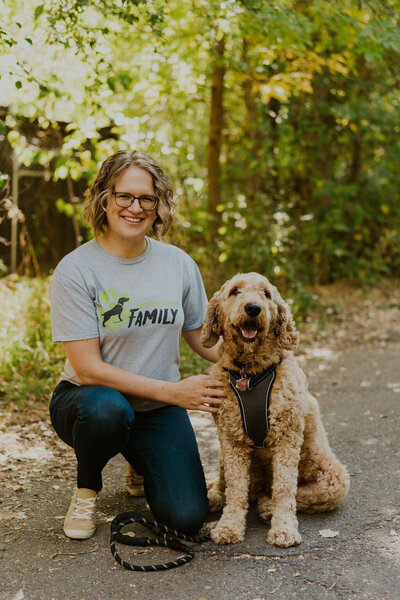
[165,533]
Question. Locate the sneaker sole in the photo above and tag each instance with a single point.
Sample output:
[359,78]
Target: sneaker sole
[77,534]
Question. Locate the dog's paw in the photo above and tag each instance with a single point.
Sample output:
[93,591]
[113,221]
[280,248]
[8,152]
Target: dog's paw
[266,507]
[284,537]
[224,534]
[216,500]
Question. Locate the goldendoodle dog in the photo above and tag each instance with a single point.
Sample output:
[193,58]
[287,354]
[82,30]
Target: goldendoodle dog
[274,448]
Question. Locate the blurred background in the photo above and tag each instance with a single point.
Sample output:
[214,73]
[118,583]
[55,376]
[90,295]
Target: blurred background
[278,123]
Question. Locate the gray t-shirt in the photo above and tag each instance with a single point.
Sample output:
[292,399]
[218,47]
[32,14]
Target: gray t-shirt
[137,307]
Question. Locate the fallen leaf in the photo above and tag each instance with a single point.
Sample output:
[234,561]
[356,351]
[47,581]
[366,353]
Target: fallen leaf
[328,533]
[9,516]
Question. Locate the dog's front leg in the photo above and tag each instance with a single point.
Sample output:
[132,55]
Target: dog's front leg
[284,526]
[216,491]
[236,462]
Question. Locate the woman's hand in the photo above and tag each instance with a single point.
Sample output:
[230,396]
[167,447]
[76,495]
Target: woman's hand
[199,392]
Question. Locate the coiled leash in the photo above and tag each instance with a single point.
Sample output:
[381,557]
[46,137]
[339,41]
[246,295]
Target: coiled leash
[165,533]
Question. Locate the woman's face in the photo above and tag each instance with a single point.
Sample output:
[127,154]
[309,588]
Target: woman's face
[128,226]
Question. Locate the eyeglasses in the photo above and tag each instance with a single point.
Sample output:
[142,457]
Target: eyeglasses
[125,200]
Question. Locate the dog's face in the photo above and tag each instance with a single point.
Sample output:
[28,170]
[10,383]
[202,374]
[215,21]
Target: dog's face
[247,309]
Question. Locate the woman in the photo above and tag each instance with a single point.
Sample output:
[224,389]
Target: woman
[119,304]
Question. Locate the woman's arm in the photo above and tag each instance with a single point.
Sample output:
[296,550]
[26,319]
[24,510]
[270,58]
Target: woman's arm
[192,338]
[200,392]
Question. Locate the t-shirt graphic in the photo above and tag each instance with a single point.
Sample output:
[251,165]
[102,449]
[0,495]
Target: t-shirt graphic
[117,313]
[135,312]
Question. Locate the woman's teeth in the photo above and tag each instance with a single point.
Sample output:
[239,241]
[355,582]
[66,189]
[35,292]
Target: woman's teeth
[132,220]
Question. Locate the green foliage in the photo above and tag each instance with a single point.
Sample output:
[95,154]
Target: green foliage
[310,144]
[191,363]
[31,363]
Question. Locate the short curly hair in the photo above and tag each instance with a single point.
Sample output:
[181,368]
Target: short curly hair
[110,170]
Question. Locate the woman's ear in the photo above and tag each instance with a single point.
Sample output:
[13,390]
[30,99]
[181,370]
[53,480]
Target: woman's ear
[285,327]
[211,330]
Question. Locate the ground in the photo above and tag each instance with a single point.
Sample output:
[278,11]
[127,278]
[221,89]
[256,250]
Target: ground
[352,365]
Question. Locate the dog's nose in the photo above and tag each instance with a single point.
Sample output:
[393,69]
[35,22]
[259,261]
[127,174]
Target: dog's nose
[252,309]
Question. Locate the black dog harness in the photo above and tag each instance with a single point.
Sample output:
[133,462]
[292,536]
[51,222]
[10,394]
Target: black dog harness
[253,394]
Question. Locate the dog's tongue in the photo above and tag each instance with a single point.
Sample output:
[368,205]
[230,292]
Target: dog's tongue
[249,333]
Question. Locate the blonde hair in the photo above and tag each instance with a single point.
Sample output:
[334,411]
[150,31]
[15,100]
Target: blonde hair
[110,170]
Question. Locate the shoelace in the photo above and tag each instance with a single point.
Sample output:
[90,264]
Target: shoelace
[86,505]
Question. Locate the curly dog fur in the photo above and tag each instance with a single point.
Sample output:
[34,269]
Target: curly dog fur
[296,469]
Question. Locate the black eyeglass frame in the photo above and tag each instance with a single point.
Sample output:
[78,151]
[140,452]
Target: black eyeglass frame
[138,198]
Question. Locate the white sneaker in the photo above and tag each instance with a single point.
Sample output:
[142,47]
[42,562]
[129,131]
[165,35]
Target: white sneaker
[80,522]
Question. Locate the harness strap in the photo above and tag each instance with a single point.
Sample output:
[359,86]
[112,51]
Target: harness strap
[165,533]
[253,394]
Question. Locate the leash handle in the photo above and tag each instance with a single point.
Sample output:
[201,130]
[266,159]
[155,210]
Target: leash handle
[167,540]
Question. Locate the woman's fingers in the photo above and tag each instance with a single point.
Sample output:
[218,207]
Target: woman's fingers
[201,392]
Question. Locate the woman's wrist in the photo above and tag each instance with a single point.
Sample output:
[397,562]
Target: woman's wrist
[165,392]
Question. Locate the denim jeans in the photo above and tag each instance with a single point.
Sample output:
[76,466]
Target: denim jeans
[98,423]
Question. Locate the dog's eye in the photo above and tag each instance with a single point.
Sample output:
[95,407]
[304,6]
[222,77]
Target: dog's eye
[267,294]
[234,291]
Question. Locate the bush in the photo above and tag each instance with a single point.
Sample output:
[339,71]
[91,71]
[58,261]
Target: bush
[31,363]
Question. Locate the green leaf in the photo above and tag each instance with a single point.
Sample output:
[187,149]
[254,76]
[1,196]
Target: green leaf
[113,293]
[38,10]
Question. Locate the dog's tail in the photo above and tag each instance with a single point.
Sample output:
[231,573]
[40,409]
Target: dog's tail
[325,491]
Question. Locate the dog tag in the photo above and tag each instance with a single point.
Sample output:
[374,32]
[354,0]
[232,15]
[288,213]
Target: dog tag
[242,384]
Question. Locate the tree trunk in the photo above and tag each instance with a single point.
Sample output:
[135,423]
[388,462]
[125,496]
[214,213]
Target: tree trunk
[75,222]
[216,123]
[254,139]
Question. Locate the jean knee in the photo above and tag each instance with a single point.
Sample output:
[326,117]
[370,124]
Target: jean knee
[106,413]
[187,520]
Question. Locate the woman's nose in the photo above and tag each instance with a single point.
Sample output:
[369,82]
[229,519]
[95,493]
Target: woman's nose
[135,206]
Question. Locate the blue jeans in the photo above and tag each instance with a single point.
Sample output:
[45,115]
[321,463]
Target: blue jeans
[98,423]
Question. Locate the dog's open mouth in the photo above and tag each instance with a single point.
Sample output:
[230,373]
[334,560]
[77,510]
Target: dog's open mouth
[248,331]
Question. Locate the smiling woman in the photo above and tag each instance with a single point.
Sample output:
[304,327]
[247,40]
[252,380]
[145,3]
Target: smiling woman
[120,304]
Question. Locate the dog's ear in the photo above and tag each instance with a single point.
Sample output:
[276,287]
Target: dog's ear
[211,327]
[285,328]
